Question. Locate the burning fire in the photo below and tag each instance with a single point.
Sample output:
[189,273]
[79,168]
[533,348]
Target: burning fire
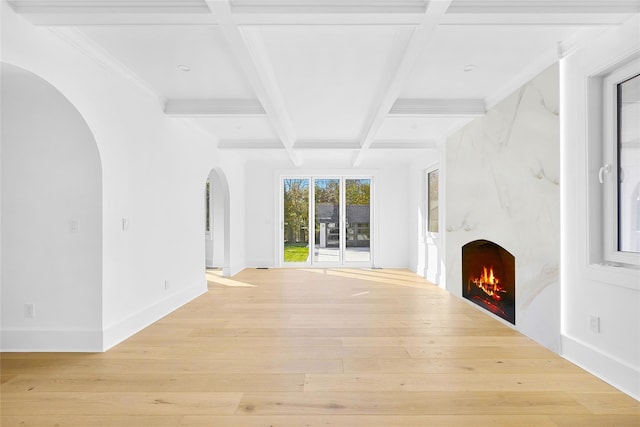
[488,283]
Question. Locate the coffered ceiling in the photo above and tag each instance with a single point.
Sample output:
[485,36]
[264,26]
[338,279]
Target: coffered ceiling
[315,77]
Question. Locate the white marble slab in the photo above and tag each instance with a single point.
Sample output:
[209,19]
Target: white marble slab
[502,184]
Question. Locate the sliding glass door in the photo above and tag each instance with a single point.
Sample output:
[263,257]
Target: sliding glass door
[358,216]
[326,221]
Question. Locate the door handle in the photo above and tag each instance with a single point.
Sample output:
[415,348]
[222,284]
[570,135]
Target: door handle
[604,169]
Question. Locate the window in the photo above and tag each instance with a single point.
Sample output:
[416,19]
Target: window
[207,207]
[619,173]
[432,201]
[628,145]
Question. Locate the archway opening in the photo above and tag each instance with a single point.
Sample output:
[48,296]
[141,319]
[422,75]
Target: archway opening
[217,223]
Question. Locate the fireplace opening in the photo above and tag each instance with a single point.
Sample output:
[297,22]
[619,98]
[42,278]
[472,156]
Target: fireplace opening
[488,278]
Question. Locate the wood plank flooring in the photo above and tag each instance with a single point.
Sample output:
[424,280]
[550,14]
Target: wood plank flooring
[350,348]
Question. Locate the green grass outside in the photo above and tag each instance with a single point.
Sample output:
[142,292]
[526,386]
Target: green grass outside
[296,252]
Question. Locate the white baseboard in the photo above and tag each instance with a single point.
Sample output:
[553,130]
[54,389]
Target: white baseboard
[619,374]
[51,341]
[232,270]
[122,330]
[260,263]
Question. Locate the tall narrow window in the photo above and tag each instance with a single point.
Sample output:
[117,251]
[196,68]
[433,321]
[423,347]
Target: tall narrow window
[207,207]
[628,150]
[432,201]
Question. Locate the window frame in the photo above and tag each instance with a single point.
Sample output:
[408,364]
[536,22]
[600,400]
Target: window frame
[427,198]
[208,212]
[608,171]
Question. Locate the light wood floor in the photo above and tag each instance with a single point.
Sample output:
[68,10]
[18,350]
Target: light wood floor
[314,348]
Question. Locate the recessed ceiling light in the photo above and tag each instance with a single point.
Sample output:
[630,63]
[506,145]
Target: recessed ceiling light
[469,67]
[184,68]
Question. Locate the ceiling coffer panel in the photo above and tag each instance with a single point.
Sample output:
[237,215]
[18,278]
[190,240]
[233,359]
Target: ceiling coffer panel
[179,62]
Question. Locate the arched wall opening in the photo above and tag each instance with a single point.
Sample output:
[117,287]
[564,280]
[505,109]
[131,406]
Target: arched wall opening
[51,220]
[217,234]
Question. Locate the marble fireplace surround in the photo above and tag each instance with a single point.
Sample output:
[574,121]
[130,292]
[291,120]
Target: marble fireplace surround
[502,184]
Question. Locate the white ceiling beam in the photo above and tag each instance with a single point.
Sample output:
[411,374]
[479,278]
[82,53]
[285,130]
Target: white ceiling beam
[109,6]
[117,19]
[250,144]
[439,107]
[213,107]
[321,144]
[544,6]
[403,144]
[113,12]
[272,19]
[259,73]
[335,12]
[415,45]
[329,6]
[534,19]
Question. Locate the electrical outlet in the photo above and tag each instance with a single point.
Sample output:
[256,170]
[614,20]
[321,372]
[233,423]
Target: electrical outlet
[29,311]
[594,323]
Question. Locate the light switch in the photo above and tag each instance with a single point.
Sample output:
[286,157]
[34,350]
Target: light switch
[125,224]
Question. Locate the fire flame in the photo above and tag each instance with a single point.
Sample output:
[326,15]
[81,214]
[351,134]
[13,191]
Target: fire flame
[488,283]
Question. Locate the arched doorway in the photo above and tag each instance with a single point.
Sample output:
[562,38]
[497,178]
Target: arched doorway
[217,235]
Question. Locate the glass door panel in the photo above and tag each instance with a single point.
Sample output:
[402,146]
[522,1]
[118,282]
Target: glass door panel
[295,220]
[327,220]
[358,220]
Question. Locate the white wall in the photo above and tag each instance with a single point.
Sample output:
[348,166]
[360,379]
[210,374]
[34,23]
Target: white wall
[588,289]
[502,184]
[391,180]
[51,218]
[234,173]
[153,170]
[261,211]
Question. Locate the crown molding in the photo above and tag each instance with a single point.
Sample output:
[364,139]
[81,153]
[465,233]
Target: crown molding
[250,144]
[439,107]
[213,107]
[537,66]
[79,40]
